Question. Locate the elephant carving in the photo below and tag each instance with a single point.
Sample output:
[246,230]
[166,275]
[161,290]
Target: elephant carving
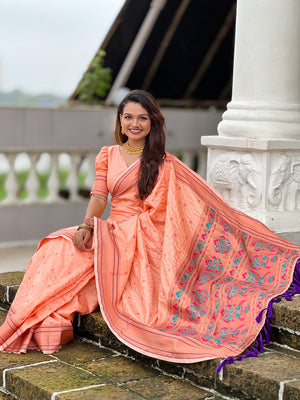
[284,184]
[237,179]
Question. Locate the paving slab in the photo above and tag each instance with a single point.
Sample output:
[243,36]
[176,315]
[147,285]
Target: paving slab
[9,284]
[287,313]
[109,375]
[286,336]
[291,390]
[8,361]
[119,369]
[202,373]
[41,381]
[286,322]
[167,388]
[79,352]
[261,377]
[5,396]
[105,392]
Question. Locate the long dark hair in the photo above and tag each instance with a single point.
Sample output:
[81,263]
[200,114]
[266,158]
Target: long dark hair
[154,151]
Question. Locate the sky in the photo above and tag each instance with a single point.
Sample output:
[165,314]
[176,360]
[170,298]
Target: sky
[46,46]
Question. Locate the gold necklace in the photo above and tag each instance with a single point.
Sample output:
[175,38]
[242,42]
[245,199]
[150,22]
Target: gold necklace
[133,150]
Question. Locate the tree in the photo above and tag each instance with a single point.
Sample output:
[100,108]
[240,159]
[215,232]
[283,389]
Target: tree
[96,82]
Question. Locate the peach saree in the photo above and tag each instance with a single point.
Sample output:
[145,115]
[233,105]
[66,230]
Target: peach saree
[180,276]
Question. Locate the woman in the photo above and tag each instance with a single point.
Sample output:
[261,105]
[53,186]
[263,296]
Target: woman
[178,274]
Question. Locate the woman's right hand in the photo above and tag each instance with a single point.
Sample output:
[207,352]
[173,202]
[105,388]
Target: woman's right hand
[81,238]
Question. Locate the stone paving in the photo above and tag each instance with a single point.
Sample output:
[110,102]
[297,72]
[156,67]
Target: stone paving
[97,366]
[84,371]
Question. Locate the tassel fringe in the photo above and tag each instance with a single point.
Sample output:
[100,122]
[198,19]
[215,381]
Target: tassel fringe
[264,337]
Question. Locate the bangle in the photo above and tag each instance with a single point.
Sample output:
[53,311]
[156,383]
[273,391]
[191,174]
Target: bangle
[85,226]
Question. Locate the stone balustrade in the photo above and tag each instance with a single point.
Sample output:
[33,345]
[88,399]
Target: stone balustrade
[47,161]
[39,176]
[46,176]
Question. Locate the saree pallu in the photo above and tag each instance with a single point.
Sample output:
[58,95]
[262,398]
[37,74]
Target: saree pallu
[185,279]
[181,276]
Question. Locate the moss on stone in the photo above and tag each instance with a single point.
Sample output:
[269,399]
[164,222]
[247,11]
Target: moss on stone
[107,392]
[41,381]
[167,388]
[119,369]
[10,360]
[78,353]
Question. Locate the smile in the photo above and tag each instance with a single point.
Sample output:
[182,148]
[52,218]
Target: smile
[135,131]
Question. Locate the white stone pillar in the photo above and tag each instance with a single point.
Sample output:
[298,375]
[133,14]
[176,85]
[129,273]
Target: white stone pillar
[255,160]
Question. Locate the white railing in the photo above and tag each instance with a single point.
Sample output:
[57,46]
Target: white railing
[47,161]
[44,176]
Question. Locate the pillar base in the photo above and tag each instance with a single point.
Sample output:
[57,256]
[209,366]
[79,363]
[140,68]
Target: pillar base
[259,176]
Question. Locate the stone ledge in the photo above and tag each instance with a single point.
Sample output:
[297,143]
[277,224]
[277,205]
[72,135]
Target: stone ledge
[287,313]
[264,374]
[250,143]
[204,374]
[5,396]
[82,364]
[286,337]
[82,370]
[9,283]
[286,322]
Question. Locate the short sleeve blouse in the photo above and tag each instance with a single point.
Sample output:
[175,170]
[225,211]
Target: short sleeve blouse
[101,166]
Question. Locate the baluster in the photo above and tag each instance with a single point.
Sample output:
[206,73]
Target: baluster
[64,168]
[73,178]
[11,183]
[188,158]
[202,163]
[32,183]
[43,167]
[53,181]
[82,172]
[91,171]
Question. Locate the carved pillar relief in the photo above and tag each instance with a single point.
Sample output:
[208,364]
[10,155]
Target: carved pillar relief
[237,177]
[284,186]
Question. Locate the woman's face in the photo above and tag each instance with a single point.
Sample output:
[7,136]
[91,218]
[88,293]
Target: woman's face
[136,123]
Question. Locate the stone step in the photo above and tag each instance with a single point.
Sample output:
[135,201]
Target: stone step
[275,374]
[277,370]
[86,370]
[285,323]
[9,284]
[83,370]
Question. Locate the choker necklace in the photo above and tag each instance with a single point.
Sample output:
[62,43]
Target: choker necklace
[133,150]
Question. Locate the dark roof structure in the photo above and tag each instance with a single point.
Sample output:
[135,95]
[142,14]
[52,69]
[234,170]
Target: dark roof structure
[187,57]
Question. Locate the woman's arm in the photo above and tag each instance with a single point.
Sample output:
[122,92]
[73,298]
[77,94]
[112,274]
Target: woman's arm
[95,208]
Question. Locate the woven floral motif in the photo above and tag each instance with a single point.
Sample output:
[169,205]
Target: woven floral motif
[220,294]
